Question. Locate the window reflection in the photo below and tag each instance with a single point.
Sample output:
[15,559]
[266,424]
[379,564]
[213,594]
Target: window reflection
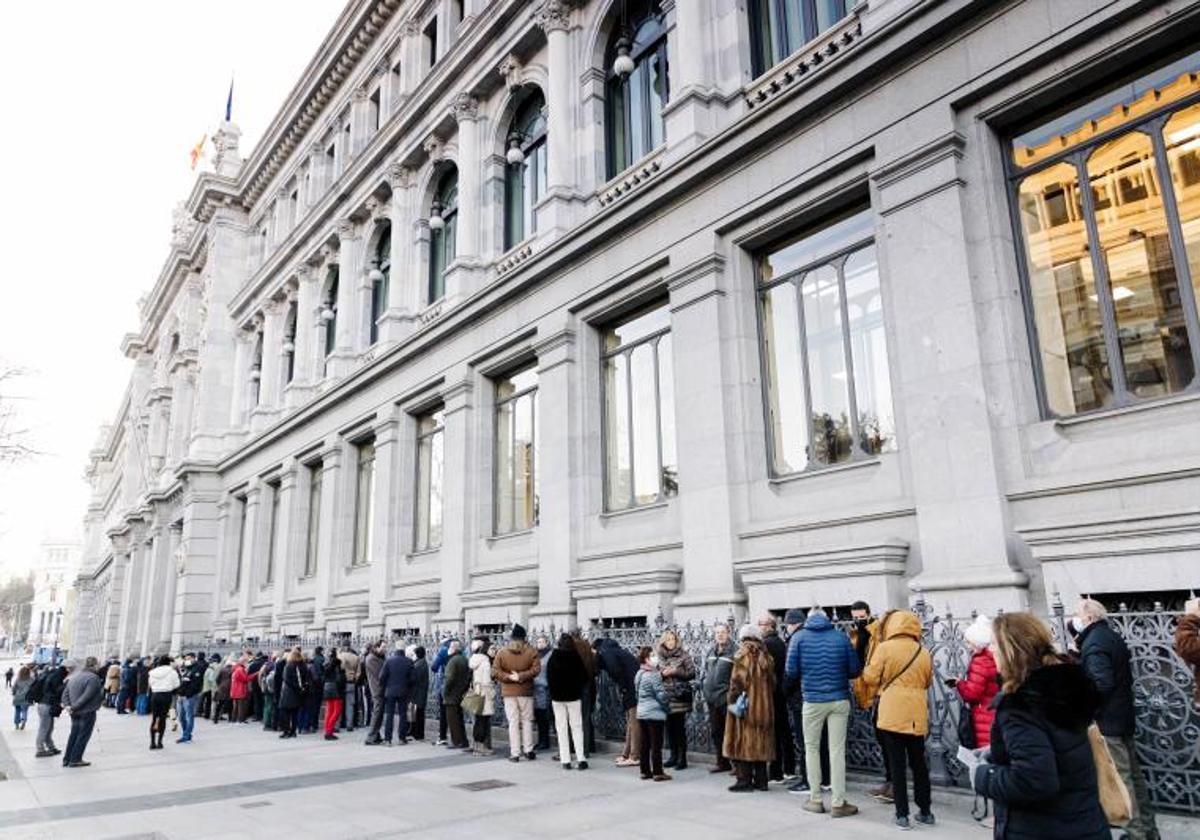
[1182,137]
[430,460]
[633,105]
[364,508]
[516,452]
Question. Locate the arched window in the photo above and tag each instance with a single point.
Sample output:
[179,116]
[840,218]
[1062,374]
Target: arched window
[329,310]
[525,180]
[443,223]
[780,27]
[634,103]
[380,278]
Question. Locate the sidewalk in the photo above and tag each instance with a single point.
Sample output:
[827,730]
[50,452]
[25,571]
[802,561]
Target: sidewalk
[239,781]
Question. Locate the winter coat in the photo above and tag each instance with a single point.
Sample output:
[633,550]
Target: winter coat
[777,648]
[334,684]
[83,692]
[20,688]
[224,683]
[565,676]
[210,678]
[652,700]
[1042,778]
[420,684]
[586,655]
[823,659]
[455,679]
[190,679]
[374,666]
[239,685]
[163,680]
[752,737]
[126,675]
[52,690]
[112,679]
[438,666]
[977,690]
[350,665]
[541,686]
[717,668]
[684,673]
[865,639]
[516,657]
[142,675]
[903,687]
[481,682]
[396,678]
[621,667]
[295,685]
[1187,645]
[1105,658]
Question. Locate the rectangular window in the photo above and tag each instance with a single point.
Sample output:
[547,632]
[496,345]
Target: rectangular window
[1106,204]
[272,533]
[431,41]
[639,411]
[779,28]
[430,460]
[243,529]
[316,474]
[364,508]
[516,491]
[824,350]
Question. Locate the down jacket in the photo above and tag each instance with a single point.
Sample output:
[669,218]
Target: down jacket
[684,671]
[977,690]
[1105,657]
[621,667]
[481,681]
[752,737]
[718,667]
[1042,776]
[1187,645]
[901,671]
[652,700]
[823,659]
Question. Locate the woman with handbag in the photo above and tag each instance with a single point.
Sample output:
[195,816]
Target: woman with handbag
[899,674]
[678,670]
[480,701]
[1040,771]
[750,722]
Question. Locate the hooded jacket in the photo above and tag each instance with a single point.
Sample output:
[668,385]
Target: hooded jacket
[520,658]
[823,659]
[977,691]
[901,671]
[1042,776]
[621,667]
[1105,658]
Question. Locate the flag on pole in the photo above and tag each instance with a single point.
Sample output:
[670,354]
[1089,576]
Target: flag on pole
[198,151]
[229,102]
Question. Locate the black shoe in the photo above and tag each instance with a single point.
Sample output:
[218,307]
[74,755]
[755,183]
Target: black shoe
[373,742]
[530,756]
[331,737]
[681,765]
[583,765]
[79,764]
[567,766]
[671,762]
[43,754]
[741,787]
[926,818]
[514,758]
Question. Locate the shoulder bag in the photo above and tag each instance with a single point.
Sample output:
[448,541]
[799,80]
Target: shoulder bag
[888,684]
[1114,796]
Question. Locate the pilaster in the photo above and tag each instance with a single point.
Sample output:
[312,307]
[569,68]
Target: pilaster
[385,545]
[458,529]
[341,360]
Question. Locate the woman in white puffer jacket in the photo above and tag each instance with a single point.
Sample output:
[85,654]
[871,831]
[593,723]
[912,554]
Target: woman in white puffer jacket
[481,683]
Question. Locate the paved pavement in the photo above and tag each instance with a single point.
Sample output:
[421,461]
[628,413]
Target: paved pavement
[240,782]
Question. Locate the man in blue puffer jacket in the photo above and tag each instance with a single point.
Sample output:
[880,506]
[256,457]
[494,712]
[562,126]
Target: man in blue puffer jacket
[825,661]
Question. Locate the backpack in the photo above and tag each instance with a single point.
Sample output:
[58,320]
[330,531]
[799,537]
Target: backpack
[33,694]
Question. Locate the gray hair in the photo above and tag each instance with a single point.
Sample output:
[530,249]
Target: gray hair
[1091,608]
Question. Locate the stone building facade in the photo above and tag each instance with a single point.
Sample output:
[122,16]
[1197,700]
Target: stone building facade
[583,311]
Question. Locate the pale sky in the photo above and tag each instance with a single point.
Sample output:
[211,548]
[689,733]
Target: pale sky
[102,103]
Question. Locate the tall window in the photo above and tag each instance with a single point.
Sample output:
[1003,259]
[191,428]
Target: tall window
[639,411]
[430,459]
[634,103]
[380,278]
[272,533]
[374,110]
[442,241]
[828,391]
[243,532]
[1112,269]
[316,474]
[364,508]
[516,488]
[289,344]
[525,181]
[329,311]
[431,41]
[780,27]
[256,370]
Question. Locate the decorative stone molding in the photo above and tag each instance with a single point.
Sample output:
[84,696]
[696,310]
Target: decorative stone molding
[465,107]
[514,259]
[888,557]
[346,230]
[631,179]
[659,580]
[377,209]
[361,93]
[552,15]
[510,70]
[411,28]
[431,313]
[434,149]
[804,64]
[182,226]
[399,176]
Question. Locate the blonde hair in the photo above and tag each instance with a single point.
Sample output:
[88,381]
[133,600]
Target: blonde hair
[662,640]
[1092,608]
[1022,645]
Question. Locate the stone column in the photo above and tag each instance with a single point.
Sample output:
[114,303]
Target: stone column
[271,372]
[385,539]
[346,342]
[309,347]
[183,392]
[466,112]
[286,558]
[400,317]
[246,582]
[159,408]
[205,520]
[938,380]
[360,132]
[150,597]
[458,522]
[560,441]
[555,213]
[410,57]
[170,578]
[331,462]
[240,409]
[113,609]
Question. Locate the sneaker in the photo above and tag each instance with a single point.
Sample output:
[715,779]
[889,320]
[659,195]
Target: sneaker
[331,737]
[903,824]
[826,788]
[926,819]
[662,777]
[583,765]
[843,810]
[626,762]
[530,756]
[646,777]
[789,777]
[439,742]
[881,792]
[814,806]
[567,765]
[43,754]
[798,787]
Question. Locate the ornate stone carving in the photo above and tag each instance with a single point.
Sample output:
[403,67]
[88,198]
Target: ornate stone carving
[346,229]
[410,29]
[377,209]
[399,176]
[361,93]
[553,14]
[510,68]
[433,147]
[182,225]
[465,107]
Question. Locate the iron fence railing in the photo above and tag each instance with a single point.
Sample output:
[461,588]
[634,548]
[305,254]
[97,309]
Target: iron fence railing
[1168,735]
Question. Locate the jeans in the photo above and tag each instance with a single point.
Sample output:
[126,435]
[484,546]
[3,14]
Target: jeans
[902,747]
[45,741]
[835,715]
[519,711]
[81,733]
[569,715]
[541,717]
[348,707]
[185,707]
[333,711]
[716,726]
[123,700]
[20,714]
[587,704]
[651,744]
[1142,825]
[391,707]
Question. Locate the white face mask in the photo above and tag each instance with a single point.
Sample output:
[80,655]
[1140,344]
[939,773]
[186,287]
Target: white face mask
[653,661]
[1077,623]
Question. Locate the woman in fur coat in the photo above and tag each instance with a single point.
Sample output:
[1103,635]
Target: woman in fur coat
[750,739]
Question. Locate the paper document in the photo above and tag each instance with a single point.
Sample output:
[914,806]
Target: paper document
[969,759]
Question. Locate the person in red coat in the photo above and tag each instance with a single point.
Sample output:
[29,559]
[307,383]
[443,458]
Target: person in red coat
[239,691]
[982,682]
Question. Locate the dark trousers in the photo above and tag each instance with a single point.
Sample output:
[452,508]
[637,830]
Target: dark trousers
[795,713]
[753,773]
[204,710]
[392,706]
[882,740]
[481,730]
[910,749]
[454,722]
[677,738]
[652,746]
[313,705]
[541,717]
[785,750]
[122,701]
[417,730]
[256,701]
[81,733]
[443,722]
[286,721]
[376,717]
[716,725]
[589,732]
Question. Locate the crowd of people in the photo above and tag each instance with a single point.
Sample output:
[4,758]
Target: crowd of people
[778,700]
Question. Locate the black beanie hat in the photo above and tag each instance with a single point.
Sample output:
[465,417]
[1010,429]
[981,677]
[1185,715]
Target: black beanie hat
[518,632]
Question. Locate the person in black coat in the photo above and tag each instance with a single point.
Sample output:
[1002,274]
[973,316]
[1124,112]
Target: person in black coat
[420,693]
[622,667]
[293,692]
[333,692]
[566,679]
[784,765]
[396,679]
[1040,771]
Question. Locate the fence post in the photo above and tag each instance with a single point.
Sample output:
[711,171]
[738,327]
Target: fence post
[939,773]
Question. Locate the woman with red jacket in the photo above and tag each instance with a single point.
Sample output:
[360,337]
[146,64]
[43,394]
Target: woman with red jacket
[239,691]
[982,682]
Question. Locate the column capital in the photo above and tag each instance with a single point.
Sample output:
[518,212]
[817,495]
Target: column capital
[434,148]
[553,16]
[411,28]
[465,108]
[346,229]
[510,70]
[399,176]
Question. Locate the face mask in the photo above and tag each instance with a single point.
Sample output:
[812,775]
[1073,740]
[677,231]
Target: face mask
[653,661]
[1077,623]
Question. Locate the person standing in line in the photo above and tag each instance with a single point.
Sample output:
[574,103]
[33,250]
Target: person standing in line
[47,692]
[316,682]
[266,688]
[866,634]
[515,667]
[783,766]
[823,659]
[397,681]
[239,691]
[715,685]
[112,683]
[374,667]
[982,682]
[208,688]
[541,696]
[456,680]
[163,680]
[125,689]
[566,678]
[678,670]
[1187,641]
[438,669]
[1039,770]
[82,695]
[20,693]
[333,692]
[293,693]
[350,666]
[588,657]
[1105,657]
[419,699]
[142,673]
[223,704]
[653,705]
[793,622]
[483,685]
[751,737]
[191,676]
[900,674]
[622,668]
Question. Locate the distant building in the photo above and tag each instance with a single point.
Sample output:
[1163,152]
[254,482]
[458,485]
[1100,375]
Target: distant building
[50,612]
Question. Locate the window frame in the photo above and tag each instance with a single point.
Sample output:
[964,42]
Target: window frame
[380,288]
[781,46]
[439,254]
[438,429]
[312,524]
[657,47]
[531,146]
[497,407]
[364,515]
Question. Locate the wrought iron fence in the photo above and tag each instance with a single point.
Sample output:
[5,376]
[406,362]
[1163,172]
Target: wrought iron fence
[1168,734]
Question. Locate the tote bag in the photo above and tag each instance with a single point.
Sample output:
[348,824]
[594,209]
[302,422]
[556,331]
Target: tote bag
[1114,796]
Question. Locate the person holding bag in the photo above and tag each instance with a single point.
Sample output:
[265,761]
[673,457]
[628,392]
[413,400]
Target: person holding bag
[678,670]
[480,701]
[750,725]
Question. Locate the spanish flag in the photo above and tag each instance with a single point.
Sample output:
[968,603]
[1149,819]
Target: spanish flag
[198,151]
